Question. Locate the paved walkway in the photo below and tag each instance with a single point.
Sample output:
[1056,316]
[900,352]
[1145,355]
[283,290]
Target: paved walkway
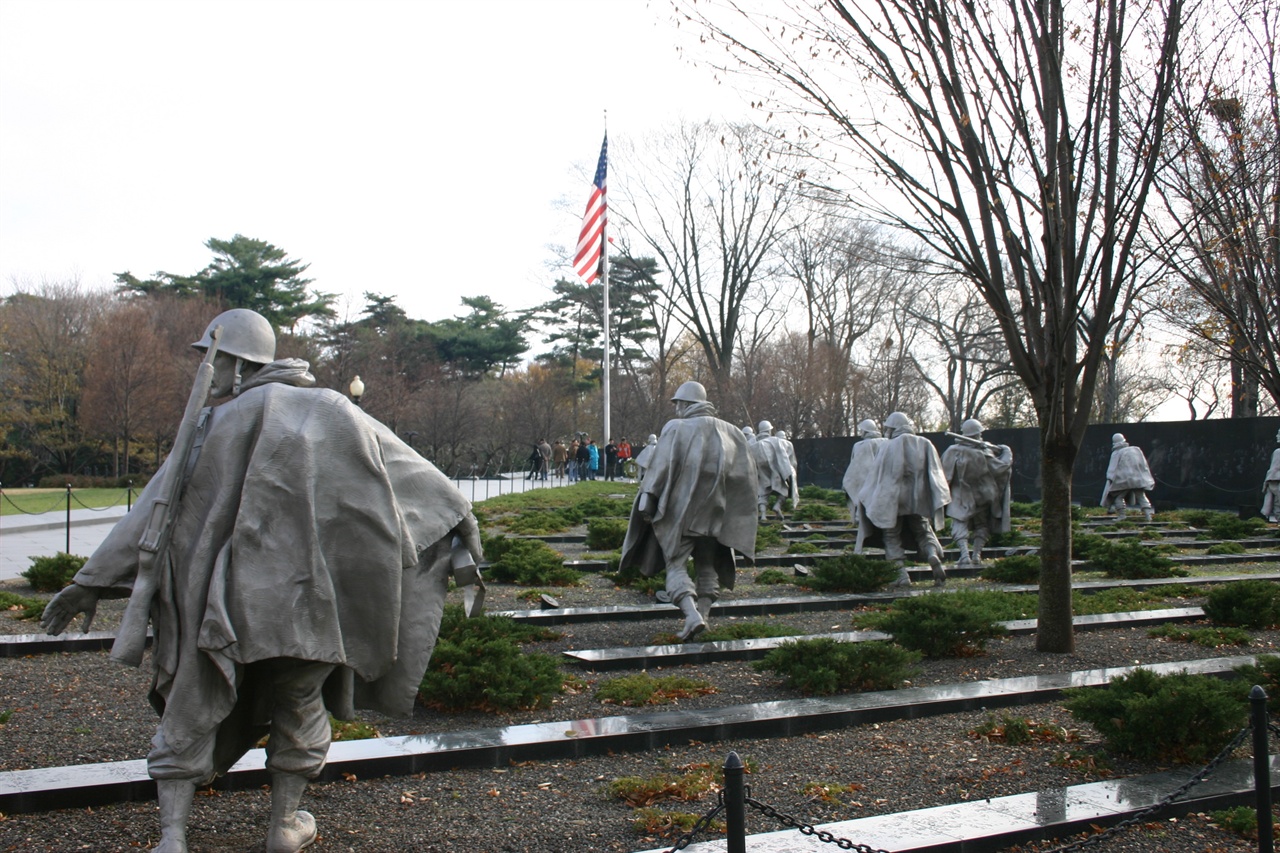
[25,536]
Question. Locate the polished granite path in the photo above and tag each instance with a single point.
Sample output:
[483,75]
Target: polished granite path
[648,657]
[989,825]
[87,785]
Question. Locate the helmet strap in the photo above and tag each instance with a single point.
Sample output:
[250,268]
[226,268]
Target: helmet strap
[235,386]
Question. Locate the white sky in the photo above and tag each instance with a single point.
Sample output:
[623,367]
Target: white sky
[424,149]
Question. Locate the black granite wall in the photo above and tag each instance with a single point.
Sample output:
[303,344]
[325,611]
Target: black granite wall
[1217,464]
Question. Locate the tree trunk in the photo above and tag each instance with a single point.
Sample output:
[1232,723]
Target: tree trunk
[1057,460]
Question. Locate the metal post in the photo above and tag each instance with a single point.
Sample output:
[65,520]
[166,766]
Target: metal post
[68,551]
[735,804]
[128,498]
[1261,767]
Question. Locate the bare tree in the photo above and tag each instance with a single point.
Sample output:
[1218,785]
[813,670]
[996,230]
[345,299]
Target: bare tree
[968,364]
[1220,186]
[707,201]
[1018,141]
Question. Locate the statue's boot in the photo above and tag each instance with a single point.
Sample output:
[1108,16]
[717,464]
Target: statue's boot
[1149,513]
[963,545]
[764,510]
[291,828]
[175,796]
[694,623]
[903,579]
[975,557]
[935,563]
[704,606]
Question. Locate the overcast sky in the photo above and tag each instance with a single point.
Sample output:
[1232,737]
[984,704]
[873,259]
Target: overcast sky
[419,148]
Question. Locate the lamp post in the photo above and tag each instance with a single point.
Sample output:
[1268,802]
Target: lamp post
[410,436]
[357,390]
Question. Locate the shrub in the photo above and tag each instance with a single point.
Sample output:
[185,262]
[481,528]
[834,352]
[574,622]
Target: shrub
[943,625]
[770,577]
[1085,545]
[817,493]
[1222,548]
[1245,604]
[1224,525]
[1122,599]
[530,562]
[1022,568]
[825,666]
[24,607]
[644,689]
[477,664]
[539,522]
[655,822]
[804,548]
[50,574]
[818,512]
[596,507]
[1019,730]
[1006,539]
[1265,672]
[1024,510]
[768,535]
[640,791]
[1239,820]
[1205,636]
[351,730]
[1132,560]
[746,631]
[606,534]
[851,573]
[1183,717]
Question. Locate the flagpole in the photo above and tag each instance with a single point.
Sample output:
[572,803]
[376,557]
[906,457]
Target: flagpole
[604,263]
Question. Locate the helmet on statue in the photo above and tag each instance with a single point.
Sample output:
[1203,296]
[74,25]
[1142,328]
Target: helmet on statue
[899,423]
[246,334]
[690,392]
[971,428]
[869,429]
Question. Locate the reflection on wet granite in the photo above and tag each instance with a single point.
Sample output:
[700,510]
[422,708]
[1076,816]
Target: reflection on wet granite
[996,824]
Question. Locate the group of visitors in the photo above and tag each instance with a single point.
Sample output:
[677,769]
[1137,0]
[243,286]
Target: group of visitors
[581,459]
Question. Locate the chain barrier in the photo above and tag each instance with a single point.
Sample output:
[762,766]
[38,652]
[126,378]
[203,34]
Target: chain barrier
[57,504]
[97,508]
[808,829]
[703,822]
[1177,794]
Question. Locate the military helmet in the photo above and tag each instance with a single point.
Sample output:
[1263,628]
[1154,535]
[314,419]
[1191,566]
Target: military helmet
[1118,440]
[653,438]
[690,392]
[868,426]
[971,427]
[782,433]
[899,422]
[748,431]
[764,428]
[245,334]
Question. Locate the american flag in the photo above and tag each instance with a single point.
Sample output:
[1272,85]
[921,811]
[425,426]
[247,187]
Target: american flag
[586,262]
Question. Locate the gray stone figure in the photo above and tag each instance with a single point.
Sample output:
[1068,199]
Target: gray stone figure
[645,454]
[1271,487]
[861,468]
[697,500]
[907,490]
[775,471]
[305,574]
[1128,479]
[781,436]
[978,475]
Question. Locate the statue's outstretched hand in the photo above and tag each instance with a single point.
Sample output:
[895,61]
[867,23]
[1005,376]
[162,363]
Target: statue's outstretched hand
[65,605]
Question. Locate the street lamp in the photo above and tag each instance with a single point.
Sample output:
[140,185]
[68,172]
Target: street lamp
[357,390]
[411,435]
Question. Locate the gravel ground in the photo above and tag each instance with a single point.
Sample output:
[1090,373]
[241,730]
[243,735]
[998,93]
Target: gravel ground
[76,708]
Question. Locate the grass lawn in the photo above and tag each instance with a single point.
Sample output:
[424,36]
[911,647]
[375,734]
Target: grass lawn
[35,501]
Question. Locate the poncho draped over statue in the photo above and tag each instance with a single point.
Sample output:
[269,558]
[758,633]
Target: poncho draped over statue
[1269,485]
[703,484]
[978,480]
[862,464]
[908,480]
[775,472]
[307,530]
[1128,470]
